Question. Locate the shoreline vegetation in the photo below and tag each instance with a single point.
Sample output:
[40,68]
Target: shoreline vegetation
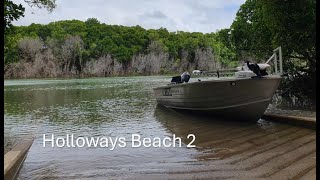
[77,49]
[112,51]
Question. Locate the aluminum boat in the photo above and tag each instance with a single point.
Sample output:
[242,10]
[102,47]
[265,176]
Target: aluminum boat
[244,96]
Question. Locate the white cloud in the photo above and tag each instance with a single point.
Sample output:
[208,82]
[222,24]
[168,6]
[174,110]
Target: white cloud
[184,15]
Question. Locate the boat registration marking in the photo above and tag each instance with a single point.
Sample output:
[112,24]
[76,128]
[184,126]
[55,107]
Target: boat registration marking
[167,92]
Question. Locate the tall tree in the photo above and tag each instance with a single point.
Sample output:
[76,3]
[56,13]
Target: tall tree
[249,32]
[262,25]
[13,12]
[293,26]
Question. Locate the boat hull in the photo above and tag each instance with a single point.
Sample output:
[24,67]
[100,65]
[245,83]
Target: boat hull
[244,99]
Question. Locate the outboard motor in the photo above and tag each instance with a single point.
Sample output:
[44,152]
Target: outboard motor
[254,68]
[258,69]
[176,79]
[263,69]
[185,77]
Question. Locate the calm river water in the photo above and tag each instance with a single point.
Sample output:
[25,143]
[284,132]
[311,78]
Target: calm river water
[113,107]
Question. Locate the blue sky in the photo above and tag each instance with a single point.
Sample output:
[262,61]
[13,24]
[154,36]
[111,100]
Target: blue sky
[183,15]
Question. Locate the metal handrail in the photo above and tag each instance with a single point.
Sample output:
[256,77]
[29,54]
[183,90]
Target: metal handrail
[218,72]
[275,57]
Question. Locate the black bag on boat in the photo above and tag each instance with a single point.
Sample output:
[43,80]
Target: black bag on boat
[176,79]
[185,77]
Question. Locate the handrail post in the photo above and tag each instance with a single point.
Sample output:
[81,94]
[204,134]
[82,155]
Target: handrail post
[274,55]
[271,57]
[280,59]
[275,63]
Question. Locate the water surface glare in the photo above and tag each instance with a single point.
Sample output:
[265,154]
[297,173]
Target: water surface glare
[120,107]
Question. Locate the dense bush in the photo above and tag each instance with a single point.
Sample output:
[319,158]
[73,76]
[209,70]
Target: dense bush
[94,48]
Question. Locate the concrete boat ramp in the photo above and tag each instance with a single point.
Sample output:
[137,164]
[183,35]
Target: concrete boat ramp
[287,152]
[14,159]
[247,152]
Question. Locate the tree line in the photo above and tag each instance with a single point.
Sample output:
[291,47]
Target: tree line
[75,47]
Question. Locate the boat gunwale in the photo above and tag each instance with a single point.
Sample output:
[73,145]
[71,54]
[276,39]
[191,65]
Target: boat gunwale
[217,81]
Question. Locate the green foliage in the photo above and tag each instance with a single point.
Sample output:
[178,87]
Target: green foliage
[249,31]
[293,26]
[224,36]
[48,4]
[12,12]
[123,42]
[92,22]
[263,25]
[11,53]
